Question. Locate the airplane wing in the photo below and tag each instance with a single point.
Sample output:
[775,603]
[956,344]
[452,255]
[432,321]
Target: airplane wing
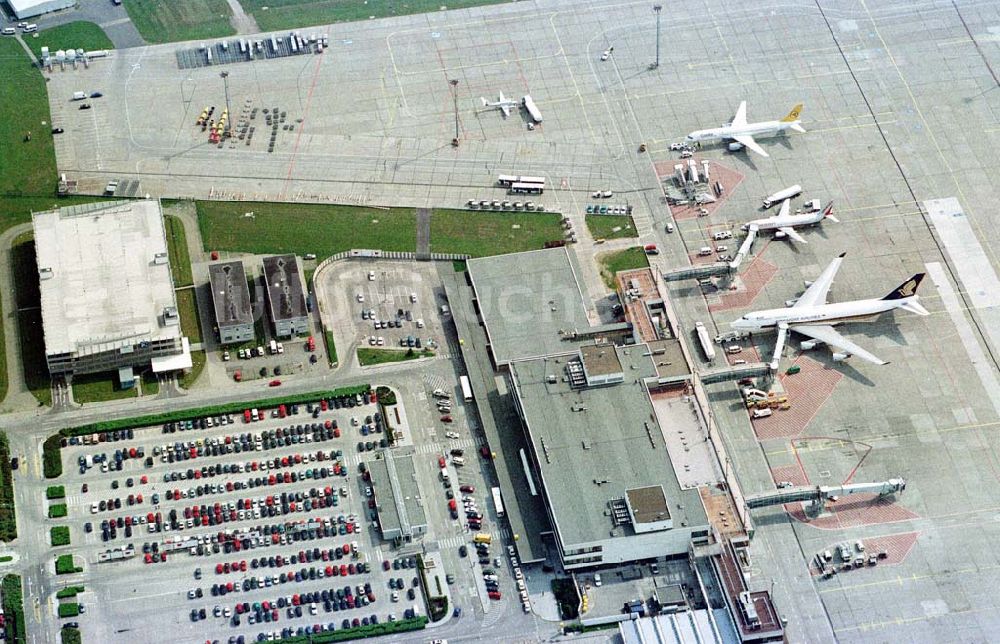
[786,207]
[826,334]
[790,232]
[741,115]
[748,142]
[505,108]
[816,293]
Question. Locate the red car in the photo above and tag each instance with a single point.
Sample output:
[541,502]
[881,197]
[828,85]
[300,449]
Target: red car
[386,565]
[446,419]
[494,594]
[246,415]
[485,451]
[441,462]
[452,505]
[468,489]
[274,383]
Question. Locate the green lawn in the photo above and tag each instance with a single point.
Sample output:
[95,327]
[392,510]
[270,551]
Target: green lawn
[188,310]
[197,364]
[66,565]
[99,387]
[57,511]
[29,317]
[621,260]
[289,14]
[69,591]
[325,230]
[368,356]
[331,348]
[59,535]
[603,226]
[481,234]
[69,610]
[180,259]
[69,635]
[55,492]
[13,608]
[8,516]
[303,228]
[160,22]
[73,35]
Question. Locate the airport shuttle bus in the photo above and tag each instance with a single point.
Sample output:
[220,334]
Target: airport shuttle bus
[527,188]
[497,501]
[466,388]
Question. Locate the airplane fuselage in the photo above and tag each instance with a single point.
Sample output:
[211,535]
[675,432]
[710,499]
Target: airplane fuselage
[727,133]
[786,221]
[822,314]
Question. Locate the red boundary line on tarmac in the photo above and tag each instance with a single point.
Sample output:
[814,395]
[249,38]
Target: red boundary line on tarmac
[305,116]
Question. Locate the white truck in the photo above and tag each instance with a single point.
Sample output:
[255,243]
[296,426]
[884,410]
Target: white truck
[781,195]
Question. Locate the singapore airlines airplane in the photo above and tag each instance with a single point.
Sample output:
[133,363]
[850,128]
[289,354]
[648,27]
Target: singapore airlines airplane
[504,104]
[812,317]
[784,223]
[741,133]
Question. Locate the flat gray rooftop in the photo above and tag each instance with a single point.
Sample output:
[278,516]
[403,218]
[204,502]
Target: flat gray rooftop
[104,276]
[596,443]
[284,287]
[530,302]
[399,507]
[230,293]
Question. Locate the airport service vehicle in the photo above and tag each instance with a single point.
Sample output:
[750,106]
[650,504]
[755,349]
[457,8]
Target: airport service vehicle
[814,318]
[782,195]
[741,134]
[784,223]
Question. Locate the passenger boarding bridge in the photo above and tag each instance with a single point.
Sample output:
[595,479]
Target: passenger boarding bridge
[713,270]
[819,494]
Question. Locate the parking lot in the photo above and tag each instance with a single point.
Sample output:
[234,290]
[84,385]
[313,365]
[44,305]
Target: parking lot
[385,304]
[235,529]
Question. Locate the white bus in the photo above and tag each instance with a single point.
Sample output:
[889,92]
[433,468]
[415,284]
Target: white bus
[527,188]
[466,388]
[497,501]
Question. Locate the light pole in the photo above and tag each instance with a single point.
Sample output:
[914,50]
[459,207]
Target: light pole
[225,82]
[454,95]
[657,8]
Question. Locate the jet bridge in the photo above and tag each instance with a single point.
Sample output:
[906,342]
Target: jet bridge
[819,494]
[716,269]
[736,372]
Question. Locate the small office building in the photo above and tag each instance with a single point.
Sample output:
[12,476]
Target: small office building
[286,300]
[401,515]
[231,302]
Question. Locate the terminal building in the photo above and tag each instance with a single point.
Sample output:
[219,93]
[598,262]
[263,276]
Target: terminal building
[107,295]
[30,8]
[594,448]
[401,515]
[231,301]
[285,296]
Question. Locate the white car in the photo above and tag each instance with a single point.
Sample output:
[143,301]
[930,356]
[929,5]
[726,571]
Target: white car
[361,297]
[371,276]
[380,341]
[371,340]
[451,434]
[606,54]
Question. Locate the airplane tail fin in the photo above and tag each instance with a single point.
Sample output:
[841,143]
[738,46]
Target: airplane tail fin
[484,101]
[828,213]
[794,116]
[906,290]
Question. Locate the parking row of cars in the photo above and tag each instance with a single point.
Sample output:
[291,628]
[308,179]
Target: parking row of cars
[496,204]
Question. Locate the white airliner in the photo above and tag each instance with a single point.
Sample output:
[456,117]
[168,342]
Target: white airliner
[742,133]
[812,317]
[504,104]
[784,223]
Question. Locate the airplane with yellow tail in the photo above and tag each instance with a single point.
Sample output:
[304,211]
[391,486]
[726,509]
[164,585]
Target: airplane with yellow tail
[740,134]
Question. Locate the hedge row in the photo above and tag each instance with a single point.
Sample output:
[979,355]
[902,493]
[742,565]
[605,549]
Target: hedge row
[8,518]
[13,608]
[51,457]
[57,511]
[69,591]
[361,632]
[216,410]
[70,635]
[55,492]
[59,535]
[69,610]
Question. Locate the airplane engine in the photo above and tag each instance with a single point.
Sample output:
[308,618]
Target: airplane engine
[735,146]
[840,357]
[808,345]
[779,234]
[790,303]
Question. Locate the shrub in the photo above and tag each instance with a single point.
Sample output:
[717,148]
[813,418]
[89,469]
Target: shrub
[69,610]
[57,511]
[13,609]
[59,535]
[8,518]
[65,565]
[69,591]
[52,457]
[70,635]
[55,492]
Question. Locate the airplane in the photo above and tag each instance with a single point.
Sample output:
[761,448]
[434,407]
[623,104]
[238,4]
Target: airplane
[741,133]
[504,104]
[784,223]
[814,318]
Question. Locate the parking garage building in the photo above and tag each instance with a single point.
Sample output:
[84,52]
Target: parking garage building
[231,301]
[107,295]
[400,514]
[285,296]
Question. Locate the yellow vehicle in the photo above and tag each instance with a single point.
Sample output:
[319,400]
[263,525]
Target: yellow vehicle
[482,537]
